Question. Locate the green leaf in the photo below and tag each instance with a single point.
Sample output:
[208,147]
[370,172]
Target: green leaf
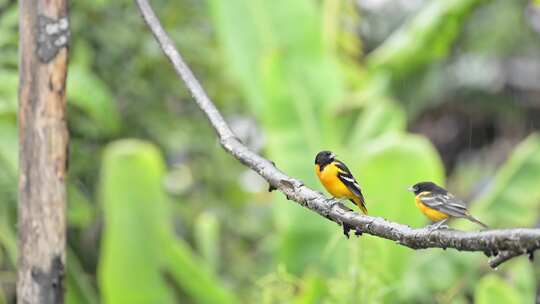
[242,40]
[493,290]
[207,231]
[79,285]
[514,191]
[8,187]
[387,167]
[9,145]
[194,276]
[138,245]
[378,119]
[314,290]
[8,239]
[520,272]
[90,94]
[136,225]
[9,80]
[287,77]
[9,36]
[80,211]
[427,37]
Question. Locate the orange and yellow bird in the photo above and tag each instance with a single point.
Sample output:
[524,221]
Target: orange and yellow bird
[439,205]
[338,179]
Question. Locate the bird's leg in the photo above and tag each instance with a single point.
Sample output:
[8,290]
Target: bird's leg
[346,229]
[331,200]
[357,232]
[438,225]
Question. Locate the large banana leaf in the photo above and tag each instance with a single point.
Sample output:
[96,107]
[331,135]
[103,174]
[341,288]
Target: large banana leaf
[377,119]
[136,225]
[514,191]
[388,166]
[507,202]
[427,37]
[139,248]
[276,53]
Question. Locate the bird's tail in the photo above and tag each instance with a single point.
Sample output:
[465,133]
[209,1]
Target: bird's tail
[473,219]
[359,201]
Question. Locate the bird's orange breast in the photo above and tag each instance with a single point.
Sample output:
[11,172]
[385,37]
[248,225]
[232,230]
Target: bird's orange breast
[431,213]
[331,182]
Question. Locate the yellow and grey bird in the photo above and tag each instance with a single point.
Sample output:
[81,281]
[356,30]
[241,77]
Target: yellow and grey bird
[338,179]
[439,205]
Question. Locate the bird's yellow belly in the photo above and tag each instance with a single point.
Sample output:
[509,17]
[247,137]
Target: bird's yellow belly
[334,186]
[337,189]
[432,214]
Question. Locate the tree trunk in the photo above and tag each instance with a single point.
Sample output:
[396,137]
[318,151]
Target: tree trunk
[43,140]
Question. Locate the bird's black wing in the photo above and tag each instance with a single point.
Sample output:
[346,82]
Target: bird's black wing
[346,177]
[446,203]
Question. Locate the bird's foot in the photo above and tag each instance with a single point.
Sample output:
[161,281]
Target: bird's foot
[346,229]
[438,225]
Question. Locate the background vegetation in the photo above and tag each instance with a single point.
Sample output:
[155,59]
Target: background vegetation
[403,91]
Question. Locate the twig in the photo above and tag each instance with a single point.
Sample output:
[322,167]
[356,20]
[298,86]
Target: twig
[502,257]
[490,242]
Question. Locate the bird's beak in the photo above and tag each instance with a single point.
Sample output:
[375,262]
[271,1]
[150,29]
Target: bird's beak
[333,155]
[411,188]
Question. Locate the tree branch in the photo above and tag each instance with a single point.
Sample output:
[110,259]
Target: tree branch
[501,244]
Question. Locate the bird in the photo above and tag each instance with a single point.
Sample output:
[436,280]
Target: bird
[338,179]
[439,205]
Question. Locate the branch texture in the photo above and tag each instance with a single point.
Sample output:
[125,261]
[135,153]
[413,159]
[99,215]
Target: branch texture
[500,245]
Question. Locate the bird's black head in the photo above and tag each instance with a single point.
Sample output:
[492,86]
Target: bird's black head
[323,158]
[426,186]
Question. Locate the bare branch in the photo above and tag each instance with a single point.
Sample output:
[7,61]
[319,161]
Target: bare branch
[490,242]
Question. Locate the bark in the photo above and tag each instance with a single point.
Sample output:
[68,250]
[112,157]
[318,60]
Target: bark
[43,141]
[500,245]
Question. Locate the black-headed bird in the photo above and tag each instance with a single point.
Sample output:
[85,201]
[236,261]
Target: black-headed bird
[439,205]
[338,179]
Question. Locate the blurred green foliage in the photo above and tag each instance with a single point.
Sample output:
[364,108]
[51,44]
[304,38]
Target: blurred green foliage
[138,248]
[168,217]
[514,192]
